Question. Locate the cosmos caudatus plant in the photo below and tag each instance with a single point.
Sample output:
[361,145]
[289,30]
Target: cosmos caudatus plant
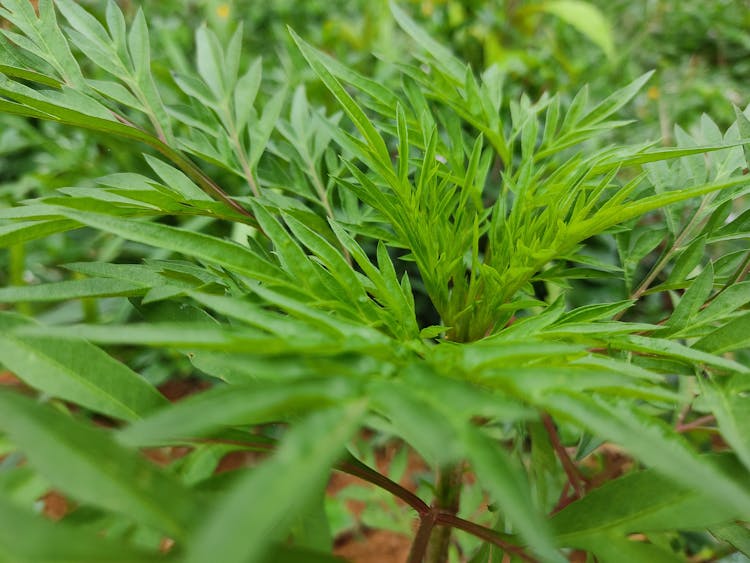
[457,271]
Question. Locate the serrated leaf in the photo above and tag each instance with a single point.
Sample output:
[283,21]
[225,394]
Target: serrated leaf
[76,371]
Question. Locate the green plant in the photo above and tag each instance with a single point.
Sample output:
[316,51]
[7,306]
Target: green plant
[310,302]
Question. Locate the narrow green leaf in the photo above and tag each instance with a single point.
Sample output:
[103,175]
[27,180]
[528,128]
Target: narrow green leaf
[86,463]
[210,60]
[728,300]
[236,405]
[355,113]
[732,411]
[437,52]
[641,502]
[76,371]
[671,349]
[743,125]
[28,538]
[138,45]
[275,491]
[245,93]
[176,180]
[203,247]
[25,231]
[736,535]
[688,260]
[650,440]
[595,312]
[508,488]
[72,289]
[732,336]
[691,302]
[618,549]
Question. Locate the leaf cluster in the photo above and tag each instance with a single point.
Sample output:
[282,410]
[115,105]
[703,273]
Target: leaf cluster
[306,320]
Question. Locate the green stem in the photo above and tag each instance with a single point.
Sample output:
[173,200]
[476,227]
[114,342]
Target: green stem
[184,164]
[241,155]
[17,267]
[660,265]
[447,499]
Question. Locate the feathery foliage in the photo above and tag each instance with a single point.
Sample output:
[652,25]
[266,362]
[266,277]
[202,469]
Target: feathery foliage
[406,263]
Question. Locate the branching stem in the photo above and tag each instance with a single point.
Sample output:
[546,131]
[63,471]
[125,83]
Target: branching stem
[430,517]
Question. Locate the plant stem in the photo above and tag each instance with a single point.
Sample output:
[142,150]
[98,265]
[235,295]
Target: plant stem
[184,164]
[242,157]
[659,266]
[323,196]
[443,520]
[694,424]
[574,476]
[16,267]
[488,535]
[447,499]
[355,467]
[421,540]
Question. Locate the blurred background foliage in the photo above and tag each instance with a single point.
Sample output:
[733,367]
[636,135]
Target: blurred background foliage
[700,51]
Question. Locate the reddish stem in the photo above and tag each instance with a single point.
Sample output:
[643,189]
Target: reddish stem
[694,424]
[574,476]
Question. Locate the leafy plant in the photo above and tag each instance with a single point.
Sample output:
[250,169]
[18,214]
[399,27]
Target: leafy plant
[405,265]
